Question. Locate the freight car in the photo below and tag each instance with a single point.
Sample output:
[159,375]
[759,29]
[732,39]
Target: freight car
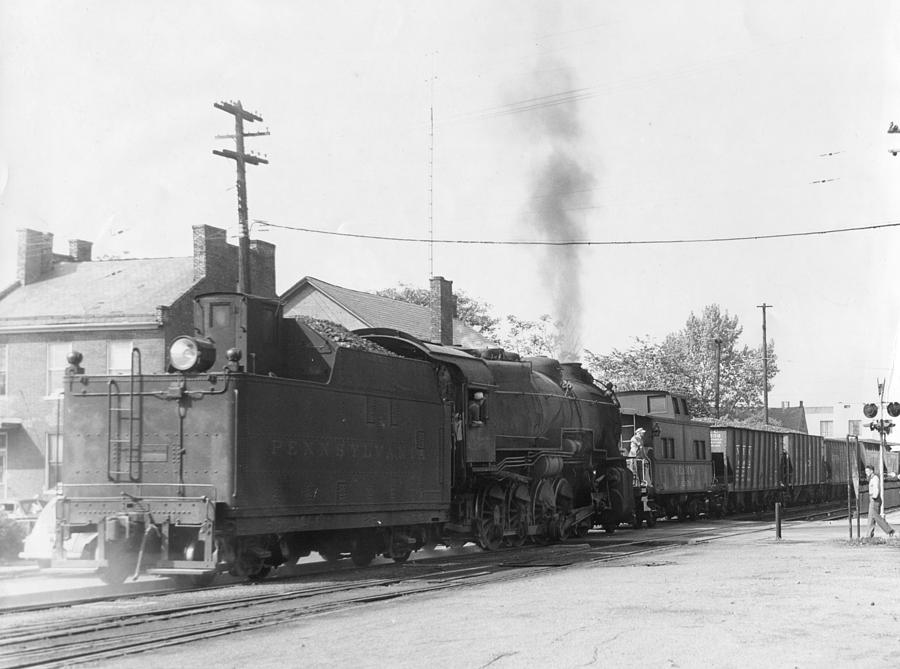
[713,467]
[269,438]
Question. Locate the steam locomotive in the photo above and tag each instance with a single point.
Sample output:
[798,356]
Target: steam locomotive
[271,437]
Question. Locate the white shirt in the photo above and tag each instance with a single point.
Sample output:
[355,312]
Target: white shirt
[874,487]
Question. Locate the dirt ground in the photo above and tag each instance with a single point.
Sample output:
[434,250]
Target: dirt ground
[812,599]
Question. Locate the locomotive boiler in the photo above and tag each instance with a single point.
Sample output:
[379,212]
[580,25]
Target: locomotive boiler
[269,438]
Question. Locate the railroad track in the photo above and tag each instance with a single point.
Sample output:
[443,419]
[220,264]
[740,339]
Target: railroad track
[64,637]
[74,635]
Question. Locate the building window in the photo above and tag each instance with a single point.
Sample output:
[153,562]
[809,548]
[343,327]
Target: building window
[54,459]
[3,367]
[853,426]
[56,366]
[826,428]
[3,464]
[118,357]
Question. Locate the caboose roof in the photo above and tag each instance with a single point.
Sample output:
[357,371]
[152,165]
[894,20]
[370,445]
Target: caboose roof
[101,291]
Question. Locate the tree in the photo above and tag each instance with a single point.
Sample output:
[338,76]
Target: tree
[530,338]
[685,362]
[469,310]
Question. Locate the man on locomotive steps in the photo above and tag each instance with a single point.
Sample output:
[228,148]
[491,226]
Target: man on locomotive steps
[875,501]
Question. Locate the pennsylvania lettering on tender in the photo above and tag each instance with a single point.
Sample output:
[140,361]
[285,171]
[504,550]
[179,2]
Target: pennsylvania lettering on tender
[337,447]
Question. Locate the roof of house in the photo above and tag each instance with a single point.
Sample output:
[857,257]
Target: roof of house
[792,418]
[101,290]
[383,312]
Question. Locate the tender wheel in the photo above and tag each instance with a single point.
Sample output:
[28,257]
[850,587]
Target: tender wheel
[609,528]
[582,529]
[194,580]
[330,555]
[401,557]
[121,564]
[260,573]
[363,553]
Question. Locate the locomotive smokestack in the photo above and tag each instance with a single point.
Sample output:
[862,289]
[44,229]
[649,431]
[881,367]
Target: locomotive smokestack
[560,186]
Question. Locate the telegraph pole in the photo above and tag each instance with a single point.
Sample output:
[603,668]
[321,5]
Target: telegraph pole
[242,159]
[765,306]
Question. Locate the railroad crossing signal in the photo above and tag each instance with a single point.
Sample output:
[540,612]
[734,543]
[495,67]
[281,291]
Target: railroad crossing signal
[882,425]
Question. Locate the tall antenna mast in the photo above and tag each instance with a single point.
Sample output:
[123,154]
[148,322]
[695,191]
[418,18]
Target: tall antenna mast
[431,195]
[242,159]
[431,169]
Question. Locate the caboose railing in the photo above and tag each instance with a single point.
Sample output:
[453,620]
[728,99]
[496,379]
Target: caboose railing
[128,438]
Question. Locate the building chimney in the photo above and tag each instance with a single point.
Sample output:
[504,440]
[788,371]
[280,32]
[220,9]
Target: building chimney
[441,311]
[214,258]
[262,268]
[35,255]
[80,250]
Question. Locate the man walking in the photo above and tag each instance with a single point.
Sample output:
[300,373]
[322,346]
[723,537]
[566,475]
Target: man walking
[875,504]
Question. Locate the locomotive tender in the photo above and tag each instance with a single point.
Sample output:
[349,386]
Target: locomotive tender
[272,437]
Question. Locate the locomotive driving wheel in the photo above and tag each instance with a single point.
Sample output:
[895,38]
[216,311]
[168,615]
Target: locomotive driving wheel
[517,505]
[562,493]
[543,506]
[490,507]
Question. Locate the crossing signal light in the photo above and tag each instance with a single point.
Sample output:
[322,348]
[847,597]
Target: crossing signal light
[871,410]
[893,409]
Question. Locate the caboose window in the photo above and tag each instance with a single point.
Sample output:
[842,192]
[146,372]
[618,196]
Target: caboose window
[699,449]
[656,403]
[219,315]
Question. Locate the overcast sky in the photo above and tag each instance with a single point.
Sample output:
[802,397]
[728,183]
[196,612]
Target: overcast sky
[585,121]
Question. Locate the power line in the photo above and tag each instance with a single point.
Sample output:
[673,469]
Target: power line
[574,242]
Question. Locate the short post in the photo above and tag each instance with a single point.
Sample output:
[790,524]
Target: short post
[778,520]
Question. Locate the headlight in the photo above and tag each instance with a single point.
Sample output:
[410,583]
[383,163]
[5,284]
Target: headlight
[188,354]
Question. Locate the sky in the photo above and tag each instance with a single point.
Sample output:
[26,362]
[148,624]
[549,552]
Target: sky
[617,123]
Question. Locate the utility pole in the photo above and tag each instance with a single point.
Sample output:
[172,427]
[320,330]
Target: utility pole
[718,342]
[765,306]
[242,159]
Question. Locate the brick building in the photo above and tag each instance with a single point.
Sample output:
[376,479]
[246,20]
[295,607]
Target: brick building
[102,309]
